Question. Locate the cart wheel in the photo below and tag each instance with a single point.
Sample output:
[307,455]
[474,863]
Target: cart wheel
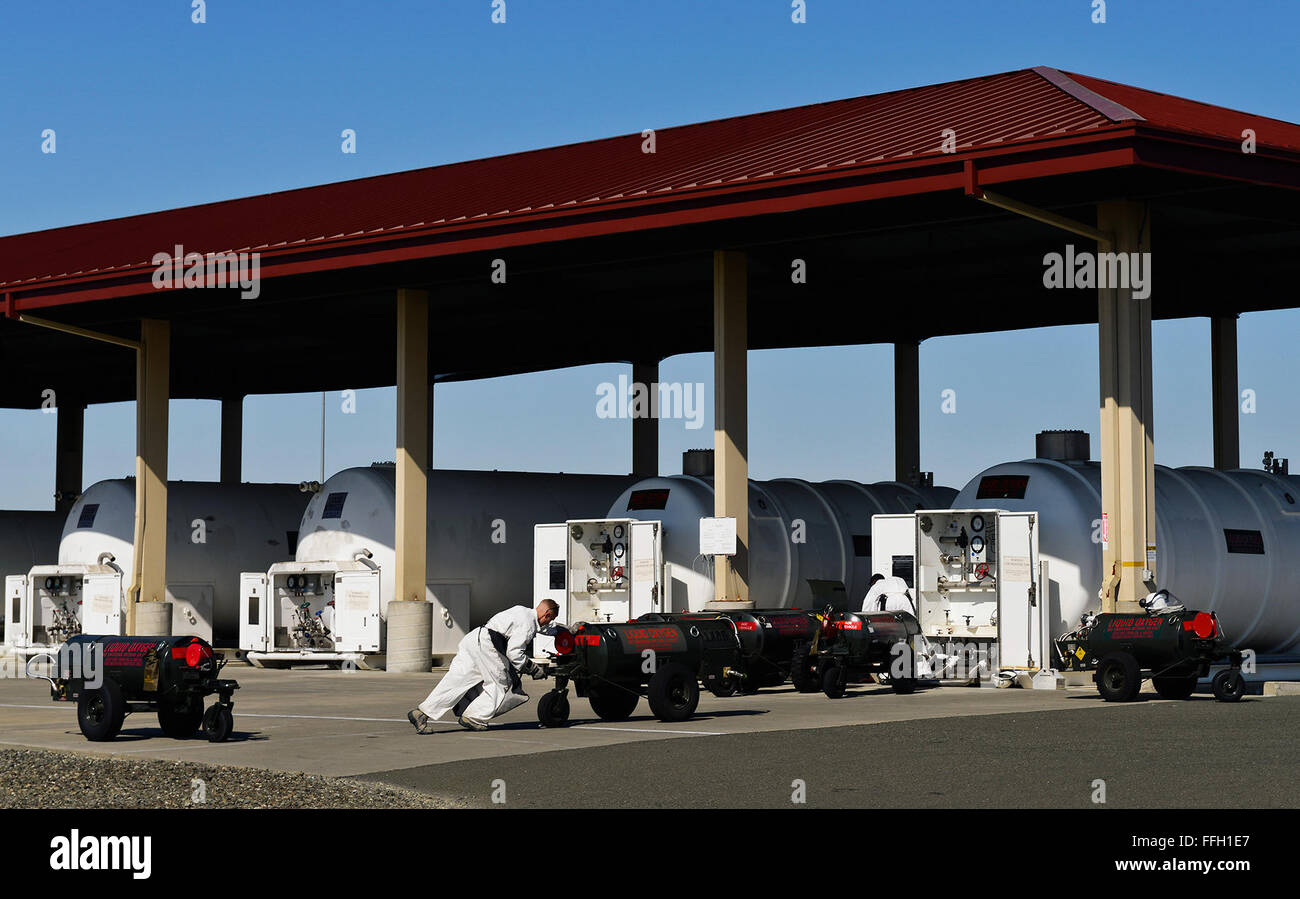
[179,724]
[903,685]
[613,703]
[724,687]
[803,670]
[100,712]
[750,685]
[674,692]
[833,681]
[1118,678]
[553,709]
[218,723]
[1175,687]
[1229,685]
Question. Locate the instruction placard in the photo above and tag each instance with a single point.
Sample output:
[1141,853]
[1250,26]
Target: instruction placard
[717,536]
[1016,569]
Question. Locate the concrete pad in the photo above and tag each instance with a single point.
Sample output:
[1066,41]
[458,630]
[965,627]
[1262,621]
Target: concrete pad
[1281,688]
[354,722]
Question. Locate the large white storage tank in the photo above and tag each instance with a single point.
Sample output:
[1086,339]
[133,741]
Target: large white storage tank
[214,531]
[480,528]
[27,539]
[798,531]
[1226,541]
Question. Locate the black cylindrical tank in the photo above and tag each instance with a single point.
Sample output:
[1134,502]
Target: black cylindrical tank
[870,636]
[769,634]
[618,652]
[1156,641]
[142,667]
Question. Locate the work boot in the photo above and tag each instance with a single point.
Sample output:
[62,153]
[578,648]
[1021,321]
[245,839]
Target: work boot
[471,724]
[419,721]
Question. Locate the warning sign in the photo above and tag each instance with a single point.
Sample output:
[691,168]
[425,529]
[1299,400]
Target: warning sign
[717,536]
[1016,568]
[102,604]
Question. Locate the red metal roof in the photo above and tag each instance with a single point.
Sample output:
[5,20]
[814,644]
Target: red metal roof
[807,145]
[1190,117]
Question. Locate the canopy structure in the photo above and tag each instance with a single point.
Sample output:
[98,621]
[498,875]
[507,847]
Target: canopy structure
[909,215]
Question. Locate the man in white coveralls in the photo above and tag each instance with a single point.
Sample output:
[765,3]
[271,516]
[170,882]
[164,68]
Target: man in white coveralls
[483,680]
[888,594]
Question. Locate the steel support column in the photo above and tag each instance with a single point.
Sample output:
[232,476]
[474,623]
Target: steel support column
[410,616]
[907,412]
[148,611]
[1223,366]
[1127,428]
[232,439]
[645,430]
[69,444]
[731,420]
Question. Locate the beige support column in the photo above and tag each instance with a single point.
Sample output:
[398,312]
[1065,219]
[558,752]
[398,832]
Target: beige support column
[148,611]
[731,422]
[410,616]
[232,439]
[645,431]
[428,456]
[907,411]
[69,443]
[1223,373]
[1127,431]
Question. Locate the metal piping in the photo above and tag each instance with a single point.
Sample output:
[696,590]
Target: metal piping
[79,332]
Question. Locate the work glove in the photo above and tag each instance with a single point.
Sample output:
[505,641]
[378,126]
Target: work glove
[533,669]
[538,673]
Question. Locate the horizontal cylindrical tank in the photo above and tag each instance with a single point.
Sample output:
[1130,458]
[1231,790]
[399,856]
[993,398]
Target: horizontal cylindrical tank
[767,638]
[480,526]
[27,539]
[616,652]
[1226,541]
[798,531]
[214,531]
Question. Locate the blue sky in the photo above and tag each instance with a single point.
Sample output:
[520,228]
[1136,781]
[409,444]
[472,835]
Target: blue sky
[152,112]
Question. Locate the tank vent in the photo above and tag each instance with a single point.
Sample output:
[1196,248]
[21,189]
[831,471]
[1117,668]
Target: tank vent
[1062,446]
[698,462]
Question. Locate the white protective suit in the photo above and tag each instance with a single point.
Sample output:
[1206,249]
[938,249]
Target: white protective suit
[890,595]
[482,683]
[893,592]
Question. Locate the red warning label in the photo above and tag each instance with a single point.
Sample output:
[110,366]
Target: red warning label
[1132,628]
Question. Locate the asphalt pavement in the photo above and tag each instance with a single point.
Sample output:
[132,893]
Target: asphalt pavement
[1150,754]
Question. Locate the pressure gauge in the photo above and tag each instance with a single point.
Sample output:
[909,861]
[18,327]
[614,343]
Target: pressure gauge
[977,523]
[618,532]
[618,550]
[977,544]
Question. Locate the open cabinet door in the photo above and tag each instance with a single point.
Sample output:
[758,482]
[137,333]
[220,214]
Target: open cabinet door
[101,605]
[646,567]
[356,611]
[255,622]
[1020,609]
[893,551]
[550,566]
[18,610]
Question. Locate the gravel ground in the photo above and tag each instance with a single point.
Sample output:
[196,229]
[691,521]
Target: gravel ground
[37,778]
